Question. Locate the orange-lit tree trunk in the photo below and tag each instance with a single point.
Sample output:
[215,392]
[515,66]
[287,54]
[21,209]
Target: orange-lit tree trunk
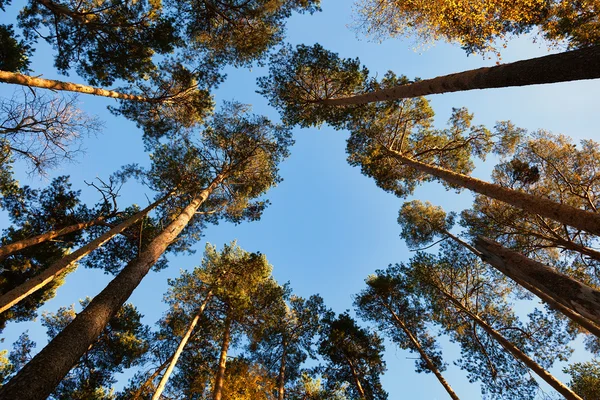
[15,295]
[38,378]
[568,66]
[515,351]
[180,347]
[220,377]
[31,81]
[11,248]
[359,388]
[575,217]
[140,390]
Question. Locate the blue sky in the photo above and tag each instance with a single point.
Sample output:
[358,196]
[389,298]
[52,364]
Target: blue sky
[328,226]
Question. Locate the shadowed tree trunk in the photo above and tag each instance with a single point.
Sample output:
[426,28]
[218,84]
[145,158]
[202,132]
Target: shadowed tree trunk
[281,377]
[11,248]
[563,289]
[568,312]
[14,296]
[568,66]
[424,355]
[180,347]
[575,217]
[569,245]
[39,377]
[515,351]
[219,379]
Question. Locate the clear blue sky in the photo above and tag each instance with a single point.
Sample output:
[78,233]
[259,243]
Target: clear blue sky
[328,226]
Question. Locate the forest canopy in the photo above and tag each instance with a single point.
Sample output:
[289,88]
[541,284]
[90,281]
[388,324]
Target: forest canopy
[173,228]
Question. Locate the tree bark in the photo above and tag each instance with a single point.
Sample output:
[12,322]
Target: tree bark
[575,217]
[220,377]
[180,347]
[31,81]
[561,288]
[571,314]
[138,393]
[14,296]
[281,377]
[569,245]
[11,248]
[361,390]
[39,377]
[568,66]
[515,351]
[424,355]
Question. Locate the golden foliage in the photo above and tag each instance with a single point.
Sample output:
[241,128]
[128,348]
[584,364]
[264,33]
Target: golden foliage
[477,25]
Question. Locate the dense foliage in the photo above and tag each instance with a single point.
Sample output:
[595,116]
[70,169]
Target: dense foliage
[229,329]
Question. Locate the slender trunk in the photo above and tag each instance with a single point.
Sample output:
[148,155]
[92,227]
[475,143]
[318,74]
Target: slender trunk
[575,217]
[14,296]
[462,243]
[11,248]
[515,351]
[138,393]
[219,379]
[38,378]
[180,347]
[568,66]
[424,355]
[281,377]
[569,245]
[31,81]
[361,391]
[571,314]
[563,289]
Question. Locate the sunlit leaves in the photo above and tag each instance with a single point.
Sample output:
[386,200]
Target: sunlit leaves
[480,26]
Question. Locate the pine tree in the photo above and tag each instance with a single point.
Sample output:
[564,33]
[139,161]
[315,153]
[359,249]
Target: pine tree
[388,302]
[478,26]
[469,303]
[312,78]
[354,355]
[235,163]
[285,342]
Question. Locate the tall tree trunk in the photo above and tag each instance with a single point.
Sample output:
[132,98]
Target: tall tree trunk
[568,66]
[568,312]
[39,377]
[361,390]
[140,390]
[515,351]
[281,377]
[581,219]
[14,296]
[11,248]
[180,347]
[424,355]
[565,290]
[31,81]
[220,377]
